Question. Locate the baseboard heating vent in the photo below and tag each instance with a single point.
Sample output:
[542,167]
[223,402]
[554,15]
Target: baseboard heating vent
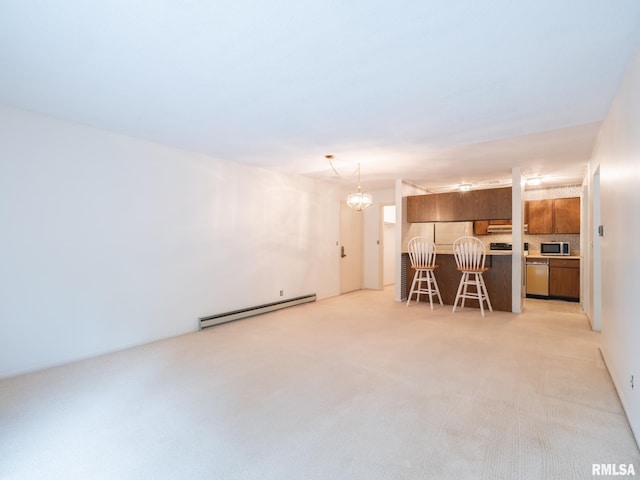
[212,320]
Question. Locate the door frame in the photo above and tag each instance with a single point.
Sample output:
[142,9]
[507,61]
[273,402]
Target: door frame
[594,271]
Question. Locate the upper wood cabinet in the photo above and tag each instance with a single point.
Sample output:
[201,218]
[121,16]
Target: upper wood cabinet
[558,215]
[566,213]
[481,227]
[539,216]
[489,204]
[421,207]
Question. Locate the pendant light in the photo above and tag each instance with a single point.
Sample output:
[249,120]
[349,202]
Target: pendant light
[359,201]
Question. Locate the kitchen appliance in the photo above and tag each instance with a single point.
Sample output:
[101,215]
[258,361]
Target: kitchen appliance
[448,232]
[503,228]
[500,246]
[537,279]
[499,228]
[555,248]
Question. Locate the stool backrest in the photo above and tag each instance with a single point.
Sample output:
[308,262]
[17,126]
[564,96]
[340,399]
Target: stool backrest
[422,252]
[469,253]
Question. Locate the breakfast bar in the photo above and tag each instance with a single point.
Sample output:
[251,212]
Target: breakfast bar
[497,278]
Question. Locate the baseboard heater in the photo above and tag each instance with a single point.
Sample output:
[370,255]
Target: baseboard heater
[212,320]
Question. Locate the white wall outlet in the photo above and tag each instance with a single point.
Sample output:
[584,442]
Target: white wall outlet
[281,293]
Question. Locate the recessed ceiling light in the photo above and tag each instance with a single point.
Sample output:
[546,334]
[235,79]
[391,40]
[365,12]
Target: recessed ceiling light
[465,187]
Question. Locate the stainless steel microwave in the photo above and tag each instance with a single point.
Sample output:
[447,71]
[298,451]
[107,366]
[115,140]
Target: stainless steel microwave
[555,248]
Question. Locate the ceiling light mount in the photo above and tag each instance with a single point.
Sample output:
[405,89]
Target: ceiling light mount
[534,181]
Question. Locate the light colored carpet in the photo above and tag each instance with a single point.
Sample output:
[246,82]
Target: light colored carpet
[352,387]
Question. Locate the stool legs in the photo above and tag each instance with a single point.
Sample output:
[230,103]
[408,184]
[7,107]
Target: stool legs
[424,276]
[480,293]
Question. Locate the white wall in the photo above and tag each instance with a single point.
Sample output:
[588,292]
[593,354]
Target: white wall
[109,241]
[617,154]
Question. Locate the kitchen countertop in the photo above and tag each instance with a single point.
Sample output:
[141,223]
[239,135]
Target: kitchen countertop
[449,251]
[562,257]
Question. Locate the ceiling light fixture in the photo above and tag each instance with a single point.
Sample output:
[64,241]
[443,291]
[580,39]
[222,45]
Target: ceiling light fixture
[358,200]
[534,182]
[465,187]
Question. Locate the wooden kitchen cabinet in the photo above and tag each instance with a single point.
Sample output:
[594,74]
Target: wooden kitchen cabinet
[564,278]
[487,204]
[442,207]
[554,215]
[539,216]
[481,227]
[566,213]
[422,208]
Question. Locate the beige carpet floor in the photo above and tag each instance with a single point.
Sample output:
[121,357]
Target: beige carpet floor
[352,387]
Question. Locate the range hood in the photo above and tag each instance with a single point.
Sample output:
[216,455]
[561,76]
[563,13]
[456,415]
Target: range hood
[502,228]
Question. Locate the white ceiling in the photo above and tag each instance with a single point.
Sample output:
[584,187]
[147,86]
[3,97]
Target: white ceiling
[438,92]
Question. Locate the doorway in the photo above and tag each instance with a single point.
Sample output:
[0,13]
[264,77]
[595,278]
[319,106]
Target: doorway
[388,247]
[350,249]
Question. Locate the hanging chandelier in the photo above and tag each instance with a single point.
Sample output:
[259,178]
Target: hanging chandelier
[358,200]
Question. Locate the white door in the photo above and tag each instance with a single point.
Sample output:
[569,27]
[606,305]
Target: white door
[350,249]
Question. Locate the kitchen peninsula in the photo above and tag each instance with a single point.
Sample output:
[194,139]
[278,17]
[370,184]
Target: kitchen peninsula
[497,279]
[479,205]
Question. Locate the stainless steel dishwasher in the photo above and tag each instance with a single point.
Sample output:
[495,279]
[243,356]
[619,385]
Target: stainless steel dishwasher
[537,277]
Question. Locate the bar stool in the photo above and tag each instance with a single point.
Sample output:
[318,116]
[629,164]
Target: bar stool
[422,254]
[470,254]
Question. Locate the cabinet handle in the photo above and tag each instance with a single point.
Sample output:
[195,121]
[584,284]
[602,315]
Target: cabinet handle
[342,254]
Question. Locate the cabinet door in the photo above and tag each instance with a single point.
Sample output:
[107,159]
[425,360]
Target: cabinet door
[421,208]
[449,207]
[413,211]
[566,215]
[495,203]
[539,214]
[564,278]
[480,227]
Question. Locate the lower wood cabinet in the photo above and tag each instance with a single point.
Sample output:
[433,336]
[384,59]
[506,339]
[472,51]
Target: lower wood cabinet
[564,278]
